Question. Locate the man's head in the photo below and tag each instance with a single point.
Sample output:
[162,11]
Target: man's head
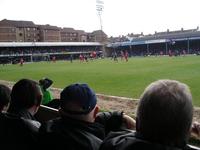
[165,112]
[45,83]
[4,97]
[25,94]
[78,101]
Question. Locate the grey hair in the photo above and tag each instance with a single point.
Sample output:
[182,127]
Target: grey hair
[165,112]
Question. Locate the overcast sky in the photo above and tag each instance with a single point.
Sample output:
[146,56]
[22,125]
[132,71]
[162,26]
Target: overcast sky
[119,17]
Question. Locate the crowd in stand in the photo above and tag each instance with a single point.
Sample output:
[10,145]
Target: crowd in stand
[163,119]
[41,54]
[157,51]
[41,50]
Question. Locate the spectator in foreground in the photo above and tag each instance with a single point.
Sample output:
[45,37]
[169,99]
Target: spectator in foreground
[4,98]
[18,127]
[79,127]
[164,118]
[47,95]
[26,98]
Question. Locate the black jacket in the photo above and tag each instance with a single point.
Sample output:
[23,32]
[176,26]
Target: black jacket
[22,113]
[73,134]
[17,132]
[129,140]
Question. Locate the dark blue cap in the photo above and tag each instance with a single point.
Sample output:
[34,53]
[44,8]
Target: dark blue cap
[82,95]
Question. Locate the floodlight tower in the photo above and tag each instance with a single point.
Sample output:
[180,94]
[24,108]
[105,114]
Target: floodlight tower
[99,8]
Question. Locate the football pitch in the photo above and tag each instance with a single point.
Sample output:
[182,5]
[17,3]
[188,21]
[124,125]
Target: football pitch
[127,79]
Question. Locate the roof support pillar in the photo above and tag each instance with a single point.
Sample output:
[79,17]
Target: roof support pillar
[166,48]
[188,46]
[147,49]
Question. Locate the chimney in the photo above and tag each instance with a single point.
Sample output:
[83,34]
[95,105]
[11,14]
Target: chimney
[167,30]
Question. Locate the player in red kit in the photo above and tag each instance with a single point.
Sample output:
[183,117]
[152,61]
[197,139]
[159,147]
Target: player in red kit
[21,62]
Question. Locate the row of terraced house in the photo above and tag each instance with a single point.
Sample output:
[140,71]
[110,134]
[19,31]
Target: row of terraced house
[27,31]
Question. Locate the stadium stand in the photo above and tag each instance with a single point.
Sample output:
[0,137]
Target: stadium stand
[174,41]
[11,52]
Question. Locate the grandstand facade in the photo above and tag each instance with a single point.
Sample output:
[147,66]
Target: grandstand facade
[165,43]
[12,52]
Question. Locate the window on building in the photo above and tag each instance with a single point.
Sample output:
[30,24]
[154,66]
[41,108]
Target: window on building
[28,29]
[20,34]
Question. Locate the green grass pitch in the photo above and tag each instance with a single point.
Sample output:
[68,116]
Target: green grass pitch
[127,79]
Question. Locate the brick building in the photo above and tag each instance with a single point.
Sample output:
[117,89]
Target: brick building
[18,31]
[69,35]
[7,31]
[27,31]
[97,36]
[82,35]
[49,33]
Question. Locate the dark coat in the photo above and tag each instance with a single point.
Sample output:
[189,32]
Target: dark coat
[70,134]
[22,113]
[129,140]
[17,132]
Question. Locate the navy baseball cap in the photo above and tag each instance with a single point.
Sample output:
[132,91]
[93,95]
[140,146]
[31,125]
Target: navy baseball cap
[79,94]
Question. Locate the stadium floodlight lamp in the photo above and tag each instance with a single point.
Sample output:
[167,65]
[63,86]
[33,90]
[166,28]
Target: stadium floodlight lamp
[99,9]
[99,5]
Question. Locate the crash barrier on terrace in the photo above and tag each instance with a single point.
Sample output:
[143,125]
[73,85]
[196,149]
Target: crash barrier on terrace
[46,113]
